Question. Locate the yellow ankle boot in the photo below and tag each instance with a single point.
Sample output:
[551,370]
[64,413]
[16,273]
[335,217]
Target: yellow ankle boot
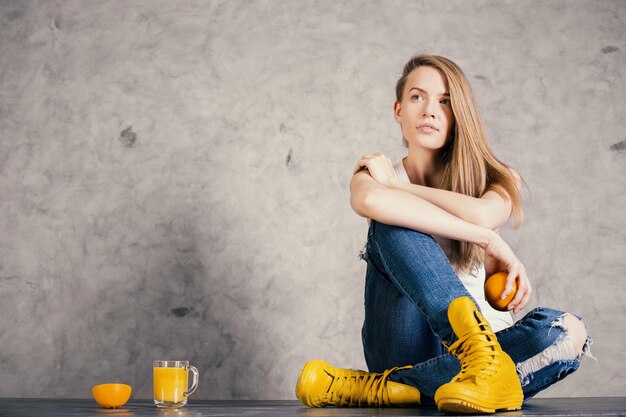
[488,379]
[321,384]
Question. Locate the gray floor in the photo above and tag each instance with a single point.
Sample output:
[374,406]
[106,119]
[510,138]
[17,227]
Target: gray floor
[23,407]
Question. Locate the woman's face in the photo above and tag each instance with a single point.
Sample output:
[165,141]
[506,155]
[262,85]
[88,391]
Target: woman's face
[425,114]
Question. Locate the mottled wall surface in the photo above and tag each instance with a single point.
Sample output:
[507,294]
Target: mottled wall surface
[174,178]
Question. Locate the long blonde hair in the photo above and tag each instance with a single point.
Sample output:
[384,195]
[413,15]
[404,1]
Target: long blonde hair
[469,165]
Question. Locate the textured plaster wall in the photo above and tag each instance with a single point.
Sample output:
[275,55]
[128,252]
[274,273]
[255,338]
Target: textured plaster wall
[174,178]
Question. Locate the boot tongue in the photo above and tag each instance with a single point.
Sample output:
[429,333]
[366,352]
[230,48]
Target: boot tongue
[461,314]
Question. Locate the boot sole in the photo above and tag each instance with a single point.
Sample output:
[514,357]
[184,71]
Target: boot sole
[455,405]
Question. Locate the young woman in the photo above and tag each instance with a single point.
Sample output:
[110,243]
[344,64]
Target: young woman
[433,238]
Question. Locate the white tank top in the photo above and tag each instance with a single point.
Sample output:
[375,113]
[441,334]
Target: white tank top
[498,320]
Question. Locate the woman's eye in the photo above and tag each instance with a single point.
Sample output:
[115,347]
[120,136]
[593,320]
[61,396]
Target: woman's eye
[416,97]
[445,101]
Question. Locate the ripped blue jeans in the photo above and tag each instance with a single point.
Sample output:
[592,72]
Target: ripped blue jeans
[409,285]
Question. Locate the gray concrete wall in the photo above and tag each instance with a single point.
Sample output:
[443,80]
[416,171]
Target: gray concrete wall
[174,178]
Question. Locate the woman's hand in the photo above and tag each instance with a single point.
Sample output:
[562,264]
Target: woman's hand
[379,166]
[500,257]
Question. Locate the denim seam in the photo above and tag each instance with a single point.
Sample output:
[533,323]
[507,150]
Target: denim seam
[429,361]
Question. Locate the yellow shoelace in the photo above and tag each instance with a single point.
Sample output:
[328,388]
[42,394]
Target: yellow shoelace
[359,388]
[478,352]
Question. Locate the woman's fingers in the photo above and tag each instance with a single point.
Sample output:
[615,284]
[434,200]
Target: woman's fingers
[522,303]
[508,287]
[371,155]
[379,166]
[502,253]
[525,299]
[523,293]
[515,308]
[519,295]
[362,164]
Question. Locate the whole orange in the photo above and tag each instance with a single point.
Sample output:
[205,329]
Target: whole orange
[494,286]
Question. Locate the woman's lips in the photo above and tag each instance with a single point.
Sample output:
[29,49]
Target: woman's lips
[427,128]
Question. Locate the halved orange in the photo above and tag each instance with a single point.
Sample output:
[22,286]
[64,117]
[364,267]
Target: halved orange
[111,395]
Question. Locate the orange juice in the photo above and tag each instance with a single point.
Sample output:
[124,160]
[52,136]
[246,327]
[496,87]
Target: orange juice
[169,385]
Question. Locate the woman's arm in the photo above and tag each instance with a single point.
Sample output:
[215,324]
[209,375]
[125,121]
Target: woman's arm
[400,208]
[490,211]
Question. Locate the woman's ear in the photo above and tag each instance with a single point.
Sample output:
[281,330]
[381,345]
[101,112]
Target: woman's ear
[397,109]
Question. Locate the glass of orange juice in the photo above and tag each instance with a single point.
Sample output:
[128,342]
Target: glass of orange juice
[171,381]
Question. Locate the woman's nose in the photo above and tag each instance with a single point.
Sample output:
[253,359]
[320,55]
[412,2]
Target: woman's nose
[428,110]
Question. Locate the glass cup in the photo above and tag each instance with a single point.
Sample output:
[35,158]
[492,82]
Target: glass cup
[171,381]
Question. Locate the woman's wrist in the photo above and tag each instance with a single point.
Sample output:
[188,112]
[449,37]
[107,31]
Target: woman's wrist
[486,237]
